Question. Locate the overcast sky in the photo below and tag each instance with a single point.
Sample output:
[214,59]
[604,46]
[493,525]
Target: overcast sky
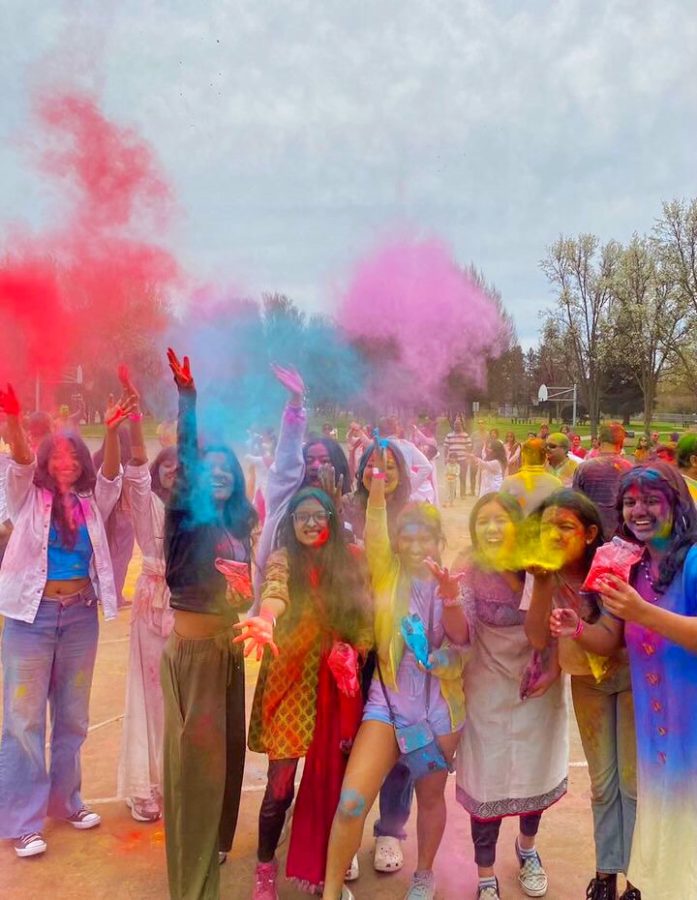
[298,133]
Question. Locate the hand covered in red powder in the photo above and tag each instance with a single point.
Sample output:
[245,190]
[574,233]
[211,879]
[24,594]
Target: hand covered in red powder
[448,585]
[183,378]
[291,380]
[343,662]
[9,403]
[238,577]
[119,412]
[258,630]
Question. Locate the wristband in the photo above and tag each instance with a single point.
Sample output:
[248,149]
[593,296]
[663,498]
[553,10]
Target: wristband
[579,629]
[136,417]
[450,602]
[378,474]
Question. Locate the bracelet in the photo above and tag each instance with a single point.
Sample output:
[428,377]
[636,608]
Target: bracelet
[378,474]
[579,629]
[269,616]
[452,602]
[136,417]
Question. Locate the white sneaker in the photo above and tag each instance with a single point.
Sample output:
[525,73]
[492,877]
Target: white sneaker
[84,818]
[353,871]
[388,854]
[31,844]
[144,809]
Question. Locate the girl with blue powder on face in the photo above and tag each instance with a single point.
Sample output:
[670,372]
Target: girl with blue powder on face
[208,528]
[56,566]
[657,613]
[421,708]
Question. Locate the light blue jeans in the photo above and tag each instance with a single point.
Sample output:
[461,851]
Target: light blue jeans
[605,716]
[51,659]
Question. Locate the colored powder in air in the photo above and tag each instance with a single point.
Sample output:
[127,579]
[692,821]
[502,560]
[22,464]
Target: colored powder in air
[92,287]
[416,316]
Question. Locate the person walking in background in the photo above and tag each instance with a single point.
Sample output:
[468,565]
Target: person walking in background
[599,477]
[558,461]
[533,482]
[687,462]
[458,443]
[452,479]
[512,447]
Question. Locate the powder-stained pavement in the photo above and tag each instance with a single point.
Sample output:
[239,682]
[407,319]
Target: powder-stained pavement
[123,859]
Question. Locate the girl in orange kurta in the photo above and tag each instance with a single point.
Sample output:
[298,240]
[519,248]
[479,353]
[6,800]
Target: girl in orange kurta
[313,627]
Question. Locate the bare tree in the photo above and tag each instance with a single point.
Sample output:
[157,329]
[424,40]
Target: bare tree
[650,318]
[582,274]
[675,238]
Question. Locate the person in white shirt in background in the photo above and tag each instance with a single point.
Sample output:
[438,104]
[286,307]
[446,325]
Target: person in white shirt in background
[422,474]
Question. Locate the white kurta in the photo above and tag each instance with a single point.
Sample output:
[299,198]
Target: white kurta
[513,755]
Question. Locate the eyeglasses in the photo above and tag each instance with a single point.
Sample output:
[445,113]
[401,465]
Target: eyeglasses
[304,518]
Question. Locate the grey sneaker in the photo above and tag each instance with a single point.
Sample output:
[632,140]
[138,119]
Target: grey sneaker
[532,876]
[489,893]
[423,886]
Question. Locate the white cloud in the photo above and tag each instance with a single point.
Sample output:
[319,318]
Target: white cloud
[296,131]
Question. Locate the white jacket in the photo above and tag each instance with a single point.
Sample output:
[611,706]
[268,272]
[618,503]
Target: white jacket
[24,568]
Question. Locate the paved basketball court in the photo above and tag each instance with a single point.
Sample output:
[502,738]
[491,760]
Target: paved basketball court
[124,859]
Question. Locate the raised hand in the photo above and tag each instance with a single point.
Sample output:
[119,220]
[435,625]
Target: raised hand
[9,403]
[332,486]
[291,380]
[448,585]
[118,412]
[183,378]
[563,623]
[258,630]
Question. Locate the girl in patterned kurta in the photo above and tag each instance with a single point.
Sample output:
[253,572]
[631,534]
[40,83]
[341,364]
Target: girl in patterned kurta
[659,611]
[307,700]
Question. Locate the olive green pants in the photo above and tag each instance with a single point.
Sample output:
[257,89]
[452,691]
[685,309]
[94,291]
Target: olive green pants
[204,749]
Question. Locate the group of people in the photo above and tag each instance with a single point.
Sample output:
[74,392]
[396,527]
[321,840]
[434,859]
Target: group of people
[380,667]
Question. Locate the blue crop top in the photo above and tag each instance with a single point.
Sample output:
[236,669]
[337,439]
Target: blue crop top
[65,564]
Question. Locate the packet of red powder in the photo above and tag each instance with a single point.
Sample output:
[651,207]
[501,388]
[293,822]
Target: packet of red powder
[615,558]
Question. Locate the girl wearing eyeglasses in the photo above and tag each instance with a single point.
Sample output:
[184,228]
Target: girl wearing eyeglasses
[312,632]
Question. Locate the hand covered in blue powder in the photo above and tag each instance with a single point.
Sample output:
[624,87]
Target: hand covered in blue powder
[415,638]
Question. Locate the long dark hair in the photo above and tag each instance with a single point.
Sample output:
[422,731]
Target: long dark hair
[84,484]
[509,505]
[238,514]
[582,507]
[400,496]
[167,454]
[498,452]
[659,476]
[342,577]
[336,455]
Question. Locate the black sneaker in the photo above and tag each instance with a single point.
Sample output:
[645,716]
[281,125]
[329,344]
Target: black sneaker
[602,889]
[631,893]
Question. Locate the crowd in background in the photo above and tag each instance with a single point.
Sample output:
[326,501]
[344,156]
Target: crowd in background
[380,667]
